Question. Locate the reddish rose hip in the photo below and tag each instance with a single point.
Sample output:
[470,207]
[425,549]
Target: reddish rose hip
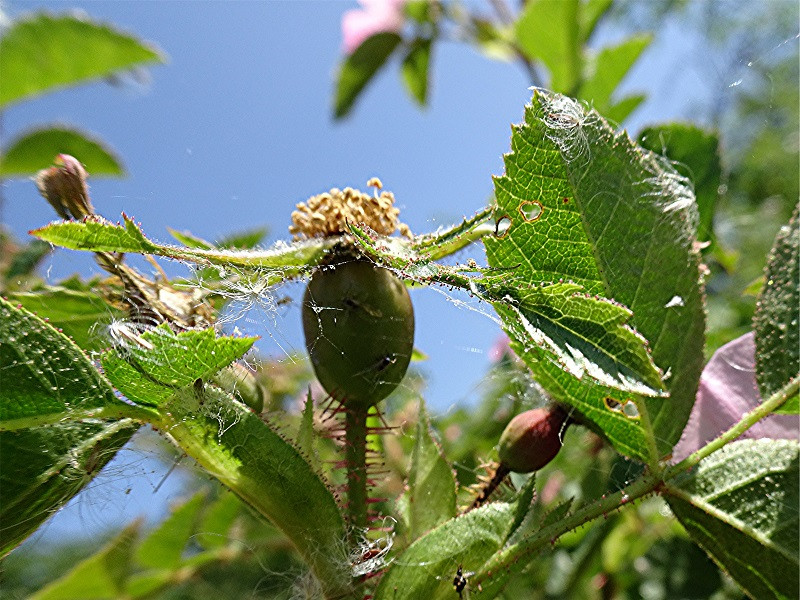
[532,439]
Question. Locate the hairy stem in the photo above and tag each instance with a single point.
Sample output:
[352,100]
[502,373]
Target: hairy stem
[356,461]
[111,412]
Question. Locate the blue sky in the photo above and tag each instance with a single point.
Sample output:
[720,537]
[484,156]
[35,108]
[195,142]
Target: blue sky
[236,128]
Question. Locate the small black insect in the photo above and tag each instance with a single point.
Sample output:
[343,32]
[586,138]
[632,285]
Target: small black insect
[460,581]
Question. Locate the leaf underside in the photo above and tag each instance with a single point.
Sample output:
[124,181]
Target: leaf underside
[741,506]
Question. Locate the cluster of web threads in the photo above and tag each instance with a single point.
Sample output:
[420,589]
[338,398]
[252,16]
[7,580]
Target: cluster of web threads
[328,214]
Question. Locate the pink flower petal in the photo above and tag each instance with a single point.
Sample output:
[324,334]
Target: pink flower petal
[727,391]
[376,16]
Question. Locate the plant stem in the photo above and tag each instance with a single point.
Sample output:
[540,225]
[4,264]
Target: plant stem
[356,461]
[111,412]
[764,409]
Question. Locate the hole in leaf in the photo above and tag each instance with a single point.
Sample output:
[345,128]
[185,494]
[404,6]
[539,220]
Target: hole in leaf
[628,409]
[502,226]
[531,210]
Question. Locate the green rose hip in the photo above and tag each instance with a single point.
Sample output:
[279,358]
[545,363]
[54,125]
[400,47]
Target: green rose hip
[359,330]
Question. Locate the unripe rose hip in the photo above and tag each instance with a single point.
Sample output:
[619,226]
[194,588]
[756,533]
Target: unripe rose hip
[532,439]
[358,323]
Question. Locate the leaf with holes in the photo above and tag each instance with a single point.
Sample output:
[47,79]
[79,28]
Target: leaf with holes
[149,368]
[741,506]
[584,204]
[777,317]
[431,481]
[583,336]
[44,52]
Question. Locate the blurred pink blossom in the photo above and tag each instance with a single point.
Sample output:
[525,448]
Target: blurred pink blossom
[374,17]
[500,348]
[727,390]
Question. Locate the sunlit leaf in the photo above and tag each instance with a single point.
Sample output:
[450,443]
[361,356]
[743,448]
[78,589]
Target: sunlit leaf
[235,446]
[548,31]
[45,51]
[777,319]
[609,68]
[580,203]
[149,368]
[741,506]
[37,149]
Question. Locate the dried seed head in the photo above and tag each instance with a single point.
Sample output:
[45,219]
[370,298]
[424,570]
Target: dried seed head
[328,214]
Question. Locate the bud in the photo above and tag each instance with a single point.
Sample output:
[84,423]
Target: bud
[532,439]
[358,323]
[64,187]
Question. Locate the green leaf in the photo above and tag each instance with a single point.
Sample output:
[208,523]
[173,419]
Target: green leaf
[99,235]
[46,377]
[426,569]
[547,31]
[218,520]
[148,369]
[163,547]
[619,111]
[305,434]
[609,68]
[695,153]
[777,316]
[37,149]
[415,69]
[360,67]
[234,445]
[45,51]
[79,314]
[102,575]
[741,506]
[25,260]
[190,240]
[591,12]
[243,240]
[431,481]
[582,204]
[45,467]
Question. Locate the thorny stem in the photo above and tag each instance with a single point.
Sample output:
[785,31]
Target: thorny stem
[772,403]
[356,461]
[647,484]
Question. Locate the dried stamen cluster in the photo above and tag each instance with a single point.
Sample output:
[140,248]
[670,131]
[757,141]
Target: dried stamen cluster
[329,213]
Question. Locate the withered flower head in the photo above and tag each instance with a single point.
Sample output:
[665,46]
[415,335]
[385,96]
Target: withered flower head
[329,213]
